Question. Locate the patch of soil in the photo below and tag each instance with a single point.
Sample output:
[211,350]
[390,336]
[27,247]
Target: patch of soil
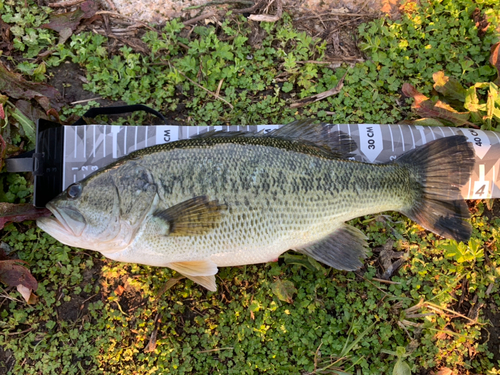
[68,78]
[490,214]
[162,11]
[129,298]
[6,360]
[77,307]
[492,332]
[335,21]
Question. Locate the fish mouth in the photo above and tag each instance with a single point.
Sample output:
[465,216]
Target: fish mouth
[66,220]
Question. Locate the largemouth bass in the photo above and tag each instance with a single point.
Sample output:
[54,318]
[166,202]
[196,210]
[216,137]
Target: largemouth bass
[228,199]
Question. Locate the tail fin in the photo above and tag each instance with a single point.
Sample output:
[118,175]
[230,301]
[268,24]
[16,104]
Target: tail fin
[439,169]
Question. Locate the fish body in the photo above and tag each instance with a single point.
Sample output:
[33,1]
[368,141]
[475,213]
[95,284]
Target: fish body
[234,199]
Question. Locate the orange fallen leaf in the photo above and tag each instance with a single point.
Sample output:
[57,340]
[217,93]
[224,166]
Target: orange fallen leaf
[119,290]
[445,371]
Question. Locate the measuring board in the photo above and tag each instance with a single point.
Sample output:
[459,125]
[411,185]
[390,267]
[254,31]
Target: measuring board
[90,147]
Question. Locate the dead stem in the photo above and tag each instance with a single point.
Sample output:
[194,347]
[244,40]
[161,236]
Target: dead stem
[332,61]
[85,100]
[64,4]
[320,96]
[111,5]
[20,332]
[215,350]
[207,90]
[335,14]
[128,19]
[199,18]
[220,2]
[252,9]
[386,281]
[267,17]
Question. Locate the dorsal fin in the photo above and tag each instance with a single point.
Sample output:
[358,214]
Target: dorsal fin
[337,144]
[306,131]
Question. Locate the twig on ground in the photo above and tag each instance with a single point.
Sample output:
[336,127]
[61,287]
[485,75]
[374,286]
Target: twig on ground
[320,96]
[21,332]
[267,17]
[215,350]
[415,316]
[85,100]
[207,90]
[442,309]
[252,9]
[332,61]
[316,356]
[320,16]
[64,4]
[363,6]
[88,299]
[218,88]
[218,2]
[490,288]
[370,282]
[151,346]
[386,281]
[111,5]
[343,23]
[128,19]
[135,43]
[199,18]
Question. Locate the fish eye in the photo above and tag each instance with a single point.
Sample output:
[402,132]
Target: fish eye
[74,191]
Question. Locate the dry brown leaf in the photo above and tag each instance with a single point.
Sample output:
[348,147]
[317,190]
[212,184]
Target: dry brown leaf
[71,20]
[119,290]
[28,295]
[33,112]
[13,274]
[481,22]
[445,371]
[263,18]
[20,212]
[320,96]
[495,60]
[15,86]
[5,38]
[425,108]
[3,150]
[151,345]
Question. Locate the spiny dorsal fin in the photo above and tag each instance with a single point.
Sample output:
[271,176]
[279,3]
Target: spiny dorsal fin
[307,131]
[337,144]
[195,216]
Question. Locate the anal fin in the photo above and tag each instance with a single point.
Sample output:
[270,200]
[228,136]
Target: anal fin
[343,249]
[205,281]
[200,271]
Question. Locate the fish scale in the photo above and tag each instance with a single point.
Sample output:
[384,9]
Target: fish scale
[234,199]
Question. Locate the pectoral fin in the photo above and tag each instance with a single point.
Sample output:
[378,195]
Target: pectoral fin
[193,217]
[343,249]
[200,271]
